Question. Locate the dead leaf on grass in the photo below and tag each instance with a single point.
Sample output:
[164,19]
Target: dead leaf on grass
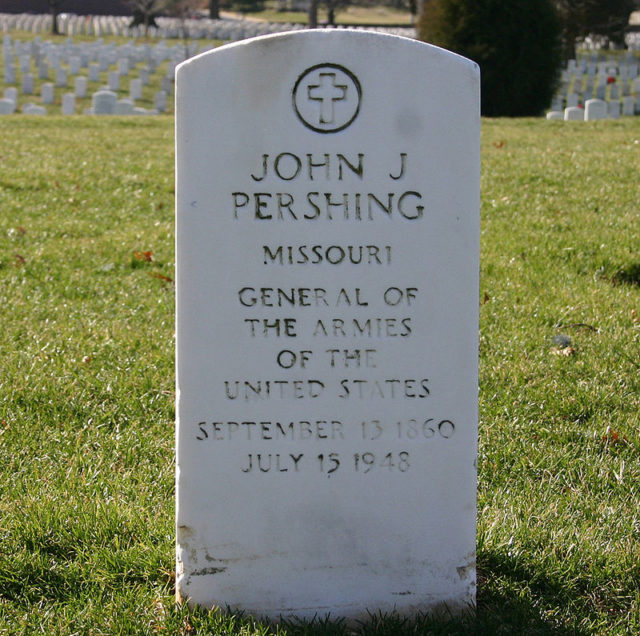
[161,277]
[564,351]
[613,437]
[147,256]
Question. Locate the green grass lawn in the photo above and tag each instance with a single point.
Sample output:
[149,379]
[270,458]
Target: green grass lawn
[87,395]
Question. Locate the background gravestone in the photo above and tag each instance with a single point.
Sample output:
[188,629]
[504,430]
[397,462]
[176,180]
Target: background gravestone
[327,317]
[7,106]
[104,103]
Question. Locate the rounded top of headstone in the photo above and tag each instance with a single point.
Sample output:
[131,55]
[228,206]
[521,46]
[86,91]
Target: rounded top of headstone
[333,37]
[330,83]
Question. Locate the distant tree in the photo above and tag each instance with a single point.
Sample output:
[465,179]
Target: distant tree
[247,6]
[515,42]
[182,10]
[580,18]
[214,9]
[313,14]
[331,6]
[55,6]
[145,13]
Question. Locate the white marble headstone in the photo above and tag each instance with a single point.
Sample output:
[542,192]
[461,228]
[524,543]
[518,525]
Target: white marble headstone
[124,107]
[123,66]
[104,102]
[7,106]
[595,109]
[114,81]
[74,65]
[9,73]
[34,109]
[573,113]
[135,89]
[160,101]
[11,92]
[61,77]
[327,319]
[80,86]
[47,93]
[613,107]
[94,72]
[68,104]
[27,83]
[628,105]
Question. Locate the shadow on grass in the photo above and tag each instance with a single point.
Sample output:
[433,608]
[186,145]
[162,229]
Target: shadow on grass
[629,275]
[512,599]
[202,621]
[501,611]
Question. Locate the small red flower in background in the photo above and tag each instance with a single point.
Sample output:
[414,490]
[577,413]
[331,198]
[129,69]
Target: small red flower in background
[611,79]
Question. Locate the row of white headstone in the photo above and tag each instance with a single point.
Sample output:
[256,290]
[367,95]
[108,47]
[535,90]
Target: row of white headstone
[104,102]
[232,29]
[97,56]
[595,109]
[595,44]
[70,59]
[613,80]
[68,24]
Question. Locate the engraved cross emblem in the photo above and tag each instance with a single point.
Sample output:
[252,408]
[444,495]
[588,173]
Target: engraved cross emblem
[326,97]
[327,91]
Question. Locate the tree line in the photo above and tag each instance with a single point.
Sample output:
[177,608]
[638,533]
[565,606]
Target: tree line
[520,44]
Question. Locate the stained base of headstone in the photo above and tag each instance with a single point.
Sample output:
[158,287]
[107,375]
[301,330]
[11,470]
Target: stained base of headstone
[327,319]
[352,616]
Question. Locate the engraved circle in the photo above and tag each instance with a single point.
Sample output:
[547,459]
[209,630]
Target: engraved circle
[326,98]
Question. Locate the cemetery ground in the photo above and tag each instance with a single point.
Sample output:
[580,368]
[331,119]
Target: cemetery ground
[345,15]
[122,90]
[87,384]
